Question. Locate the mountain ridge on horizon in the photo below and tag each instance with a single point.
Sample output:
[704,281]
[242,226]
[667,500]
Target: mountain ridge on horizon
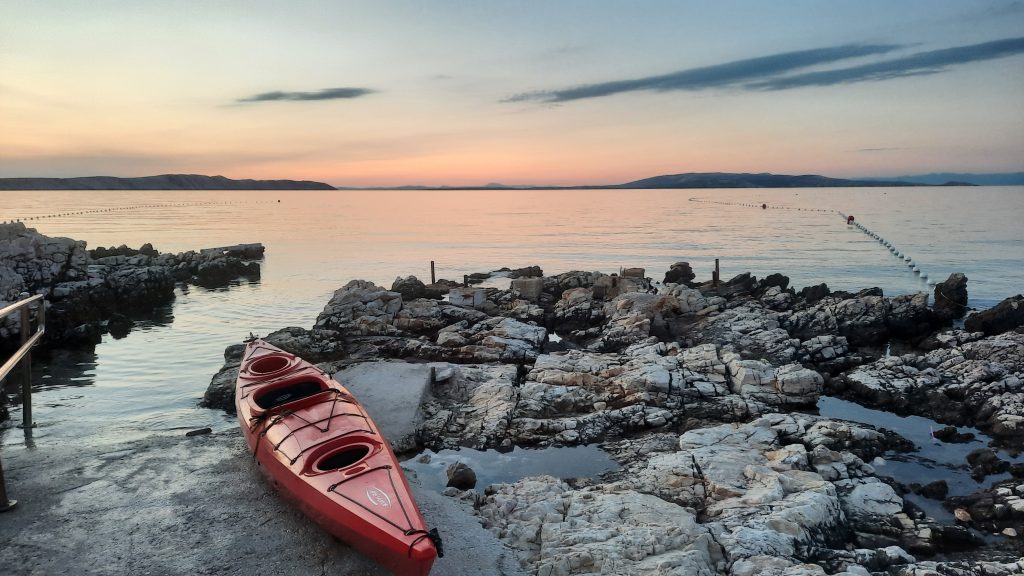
[686,180]
[695,180]
[159,182]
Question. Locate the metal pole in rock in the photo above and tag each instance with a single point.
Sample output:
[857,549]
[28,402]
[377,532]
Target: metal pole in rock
[5,503]
[433,280]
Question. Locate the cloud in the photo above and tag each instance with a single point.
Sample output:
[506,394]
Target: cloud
[719,75]
[325,94]
[879,149]
[919,64]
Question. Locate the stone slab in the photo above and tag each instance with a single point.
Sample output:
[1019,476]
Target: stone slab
[391,392]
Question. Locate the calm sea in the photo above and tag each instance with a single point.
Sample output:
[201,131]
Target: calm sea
[319,240]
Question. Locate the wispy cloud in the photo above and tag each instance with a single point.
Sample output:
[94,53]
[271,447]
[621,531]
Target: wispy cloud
[919,64]
[879,149]
[716,76]
[325,94]
[780,71]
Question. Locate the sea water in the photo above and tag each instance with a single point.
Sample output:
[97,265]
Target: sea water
[317,241]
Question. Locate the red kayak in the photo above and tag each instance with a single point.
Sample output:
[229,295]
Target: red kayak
[318,446]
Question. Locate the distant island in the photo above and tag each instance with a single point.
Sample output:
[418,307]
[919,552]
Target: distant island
[161,182]
[944,178]
[763,180]
[668,181]
[699,180]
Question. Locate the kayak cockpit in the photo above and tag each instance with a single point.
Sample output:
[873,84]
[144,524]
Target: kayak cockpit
[277,395]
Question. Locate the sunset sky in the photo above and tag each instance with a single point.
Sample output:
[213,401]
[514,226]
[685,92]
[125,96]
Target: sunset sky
[465,93]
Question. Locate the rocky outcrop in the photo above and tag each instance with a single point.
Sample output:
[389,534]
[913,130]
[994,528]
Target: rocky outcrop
[85,288]
[724,499]
[694,392]
[977,382]
[1003,317]
[598,530]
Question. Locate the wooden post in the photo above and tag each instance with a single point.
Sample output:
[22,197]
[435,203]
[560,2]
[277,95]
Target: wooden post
[717,274]
[465,280]
[433,279]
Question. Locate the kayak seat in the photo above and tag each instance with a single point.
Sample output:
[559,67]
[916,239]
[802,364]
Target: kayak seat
[289,392]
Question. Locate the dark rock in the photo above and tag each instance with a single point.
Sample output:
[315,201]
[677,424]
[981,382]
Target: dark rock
[478,277]
[556,285]
[909,317]
[82,335]
[1005,316]
[221,391]
[680,273]
[953,538]
[782,282]
[148,250]
[527,272]
[953,436]
[1017,470]
[316,345]
[119,325]
[740,285]
[253,251]
[951,297]
[936,490]
[461,476]
[198,432]
[985,461]
[121,250]
[814,293]
[439,289]
[233,353]
[218,271]
[409,287]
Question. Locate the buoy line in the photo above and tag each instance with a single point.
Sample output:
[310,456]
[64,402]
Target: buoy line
[905,258]
[762,206]
[896,252]
[136,207]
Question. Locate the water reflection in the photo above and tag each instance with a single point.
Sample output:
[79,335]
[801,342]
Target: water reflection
[494,467]
[932,460]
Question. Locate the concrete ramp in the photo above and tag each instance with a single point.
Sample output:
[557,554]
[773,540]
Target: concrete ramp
[391,392]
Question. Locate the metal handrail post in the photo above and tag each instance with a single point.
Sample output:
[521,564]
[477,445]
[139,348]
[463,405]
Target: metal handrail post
[5,502]
[26,372]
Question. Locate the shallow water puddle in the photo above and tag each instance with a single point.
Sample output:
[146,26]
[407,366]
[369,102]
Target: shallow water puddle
[494,467]
[933,460]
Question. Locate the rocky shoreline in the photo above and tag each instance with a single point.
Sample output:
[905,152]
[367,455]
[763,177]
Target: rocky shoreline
[90,292]
[706,397]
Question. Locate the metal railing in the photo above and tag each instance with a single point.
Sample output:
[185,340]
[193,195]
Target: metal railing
[23,354]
